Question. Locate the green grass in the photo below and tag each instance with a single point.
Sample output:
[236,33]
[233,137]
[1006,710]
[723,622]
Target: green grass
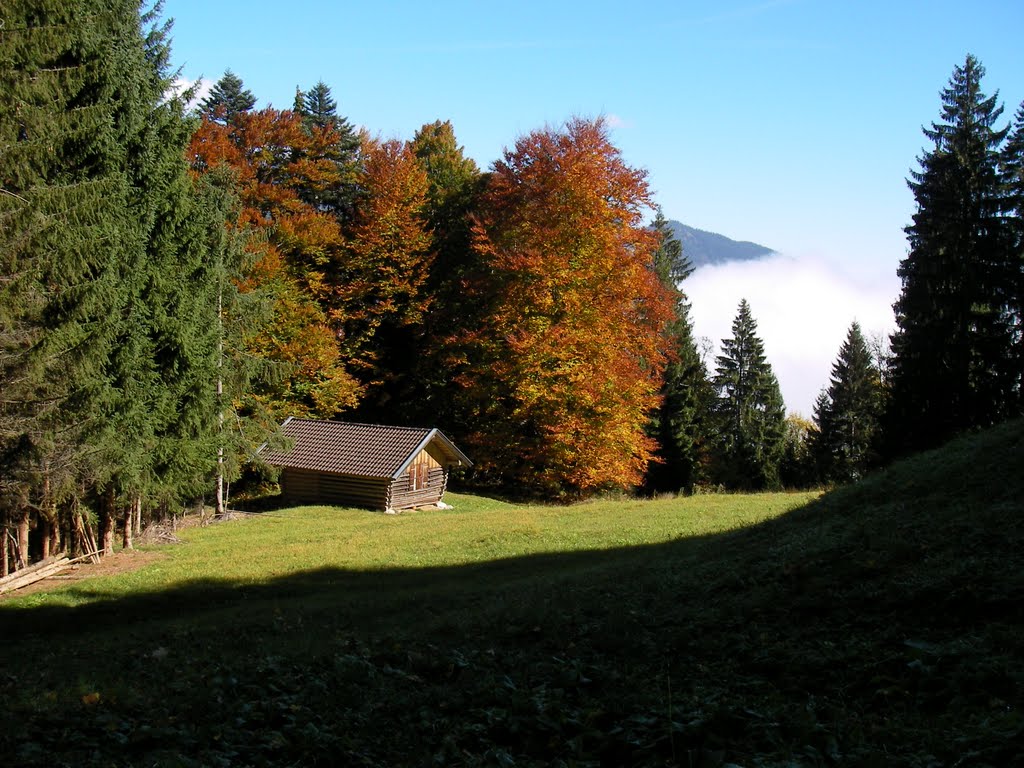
[271,546]
[882,624]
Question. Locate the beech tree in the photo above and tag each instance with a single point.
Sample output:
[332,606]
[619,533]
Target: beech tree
[951,365]
[751,414]
[561,366]
[380,286]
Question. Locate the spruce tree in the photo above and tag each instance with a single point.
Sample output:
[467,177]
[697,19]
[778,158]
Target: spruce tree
[319,113]
[67,75]
[750,412]
[680,424]
[847,416]
[950,368]
[227,98]
[110,353]
[1012,159]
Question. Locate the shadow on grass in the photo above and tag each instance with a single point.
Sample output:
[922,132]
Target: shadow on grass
[882,625]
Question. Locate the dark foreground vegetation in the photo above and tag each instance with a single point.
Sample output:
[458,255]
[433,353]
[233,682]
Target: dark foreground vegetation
[881,625]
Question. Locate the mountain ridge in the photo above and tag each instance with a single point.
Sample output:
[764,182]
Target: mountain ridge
[704,248]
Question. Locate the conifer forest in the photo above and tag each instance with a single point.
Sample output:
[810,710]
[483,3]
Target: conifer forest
[177,278]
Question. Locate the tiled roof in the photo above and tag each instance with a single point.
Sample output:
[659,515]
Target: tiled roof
[367,450]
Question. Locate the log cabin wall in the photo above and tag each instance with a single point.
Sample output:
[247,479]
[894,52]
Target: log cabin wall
[310,487]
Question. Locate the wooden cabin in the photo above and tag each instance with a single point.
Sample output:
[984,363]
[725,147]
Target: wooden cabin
[363,465]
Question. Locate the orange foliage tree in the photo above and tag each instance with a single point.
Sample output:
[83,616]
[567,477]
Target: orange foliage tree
[296,250]
[561,365]
[379,289]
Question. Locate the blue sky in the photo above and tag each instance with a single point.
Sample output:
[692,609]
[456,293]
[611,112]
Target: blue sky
[792,123]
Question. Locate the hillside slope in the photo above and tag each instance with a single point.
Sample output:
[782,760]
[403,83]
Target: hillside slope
[880,625]
[709,248]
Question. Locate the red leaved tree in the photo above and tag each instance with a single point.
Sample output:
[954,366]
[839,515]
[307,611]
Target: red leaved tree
[561,363]
[278,164]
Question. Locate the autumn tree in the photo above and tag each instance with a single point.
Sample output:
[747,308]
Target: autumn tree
[797,467]
[380,284]
[847,416]
[560,365]
[453,191]
[680,424]
[295,251]
[751,414]
[951,365]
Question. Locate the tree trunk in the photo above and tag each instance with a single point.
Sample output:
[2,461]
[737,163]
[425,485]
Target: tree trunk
[4,549]
[55,537]
[107,517]
[22,552]
[45,528]
[137,518]
[220,408]
[129,519]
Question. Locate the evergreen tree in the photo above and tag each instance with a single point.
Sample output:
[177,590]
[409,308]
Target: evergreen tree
[227,98]
[680,423]
[65,232]
[1013,176]
[797,468]
[108,292]
[847,415]
[750,412]
[454,184]
[950,368]
[320,118]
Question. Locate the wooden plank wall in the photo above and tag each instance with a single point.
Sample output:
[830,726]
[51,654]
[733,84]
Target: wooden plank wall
[403,497]
[309,487]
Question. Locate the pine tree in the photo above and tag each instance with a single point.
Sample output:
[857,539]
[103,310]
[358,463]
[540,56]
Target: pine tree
[951,349]
[228,98]
[680,424]
[750,411]
[848,415]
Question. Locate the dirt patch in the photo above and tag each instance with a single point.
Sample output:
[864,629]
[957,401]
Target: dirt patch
[127,560]
[122,561]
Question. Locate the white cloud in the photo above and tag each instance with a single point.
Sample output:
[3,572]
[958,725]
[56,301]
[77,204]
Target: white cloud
[615,121]
[803,308]
[182,84]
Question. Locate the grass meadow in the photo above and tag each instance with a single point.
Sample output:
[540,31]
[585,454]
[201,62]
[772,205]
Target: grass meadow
[879,624]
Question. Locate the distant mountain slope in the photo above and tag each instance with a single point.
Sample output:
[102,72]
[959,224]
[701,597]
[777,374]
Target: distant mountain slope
[703,248]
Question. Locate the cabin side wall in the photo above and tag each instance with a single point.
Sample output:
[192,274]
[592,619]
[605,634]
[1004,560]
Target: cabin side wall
[305,486]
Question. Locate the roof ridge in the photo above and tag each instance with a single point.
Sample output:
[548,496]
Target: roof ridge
[362,424]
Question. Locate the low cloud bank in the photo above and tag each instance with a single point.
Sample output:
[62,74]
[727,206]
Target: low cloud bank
[803,308]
